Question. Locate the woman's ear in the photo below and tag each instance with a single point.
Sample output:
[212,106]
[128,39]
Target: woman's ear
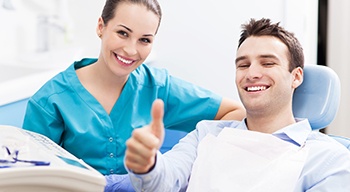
[298,77]
[100,26]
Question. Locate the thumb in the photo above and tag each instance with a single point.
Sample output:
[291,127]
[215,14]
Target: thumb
[157,126]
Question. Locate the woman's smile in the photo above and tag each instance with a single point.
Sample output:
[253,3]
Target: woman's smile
[123,60]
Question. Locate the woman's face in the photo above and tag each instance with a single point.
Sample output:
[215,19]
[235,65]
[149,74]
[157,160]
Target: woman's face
[127,39]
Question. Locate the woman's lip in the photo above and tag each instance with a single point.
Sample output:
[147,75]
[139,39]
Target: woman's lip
[123,60]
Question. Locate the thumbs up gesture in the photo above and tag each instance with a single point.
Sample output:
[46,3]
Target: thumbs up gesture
[144,142]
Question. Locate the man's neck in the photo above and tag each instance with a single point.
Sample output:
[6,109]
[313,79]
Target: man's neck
[269,123]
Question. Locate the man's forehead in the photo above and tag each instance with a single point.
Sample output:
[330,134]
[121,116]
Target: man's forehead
[262,47]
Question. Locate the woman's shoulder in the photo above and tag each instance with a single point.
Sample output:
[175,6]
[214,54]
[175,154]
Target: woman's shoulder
[150,75]
[57,84]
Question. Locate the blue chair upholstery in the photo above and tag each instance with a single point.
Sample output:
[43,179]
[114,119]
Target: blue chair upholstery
[170,139]
[317,99]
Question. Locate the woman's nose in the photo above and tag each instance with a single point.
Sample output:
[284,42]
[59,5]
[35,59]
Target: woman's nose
[130,49]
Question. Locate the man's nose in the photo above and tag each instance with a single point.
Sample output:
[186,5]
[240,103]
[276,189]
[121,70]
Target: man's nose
[254,71]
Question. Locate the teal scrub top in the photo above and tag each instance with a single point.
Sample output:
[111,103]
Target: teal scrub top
[64,111]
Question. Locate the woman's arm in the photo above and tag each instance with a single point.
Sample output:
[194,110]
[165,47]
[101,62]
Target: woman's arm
[230,110]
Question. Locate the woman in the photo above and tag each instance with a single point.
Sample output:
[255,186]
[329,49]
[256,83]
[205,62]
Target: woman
[91,108]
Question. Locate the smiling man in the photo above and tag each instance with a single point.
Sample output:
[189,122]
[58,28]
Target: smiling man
[269,150]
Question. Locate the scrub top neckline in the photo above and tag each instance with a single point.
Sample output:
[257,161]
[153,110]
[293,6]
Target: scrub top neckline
[89,99]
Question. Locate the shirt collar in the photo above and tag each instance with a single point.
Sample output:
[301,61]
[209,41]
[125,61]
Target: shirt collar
[242,125]
[296,133]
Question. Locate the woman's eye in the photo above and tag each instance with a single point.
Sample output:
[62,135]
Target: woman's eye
[122,33]
[145,40]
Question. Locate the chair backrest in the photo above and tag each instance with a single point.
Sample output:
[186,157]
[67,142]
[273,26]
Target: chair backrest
[317,99]
[171,138]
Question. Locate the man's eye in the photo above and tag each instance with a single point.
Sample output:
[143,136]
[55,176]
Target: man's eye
[243,66]
[269,64]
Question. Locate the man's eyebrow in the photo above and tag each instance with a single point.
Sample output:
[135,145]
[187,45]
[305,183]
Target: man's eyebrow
[240,58]
[260,56]
[268,56]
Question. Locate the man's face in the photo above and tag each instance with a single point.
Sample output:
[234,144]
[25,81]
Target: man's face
[263,80]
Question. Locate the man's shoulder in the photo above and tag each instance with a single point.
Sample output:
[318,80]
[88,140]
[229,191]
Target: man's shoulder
[324,144]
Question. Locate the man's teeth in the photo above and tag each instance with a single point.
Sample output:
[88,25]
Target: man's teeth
[257,88]
[124,60]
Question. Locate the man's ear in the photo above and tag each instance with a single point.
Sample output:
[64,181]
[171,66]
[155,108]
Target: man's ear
[298,74]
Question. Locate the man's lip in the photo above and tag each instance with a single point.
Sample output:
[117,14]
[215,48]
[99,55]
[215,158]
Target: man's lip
[255,88]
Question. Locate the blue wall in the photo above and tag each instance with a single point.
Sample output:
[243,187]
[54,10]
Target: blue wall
[13,113]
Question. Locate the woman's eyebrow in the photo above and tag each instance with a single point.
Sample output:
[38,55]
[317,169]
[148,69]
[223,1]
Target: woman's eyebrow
[128,29]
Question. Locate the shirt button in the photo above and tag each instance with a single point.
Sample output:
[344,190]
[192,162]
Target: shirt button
[111,155]
[111,139]
[111,171]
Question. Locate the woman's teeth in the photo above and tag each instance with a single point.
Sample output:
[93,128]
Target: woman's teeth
[124,60]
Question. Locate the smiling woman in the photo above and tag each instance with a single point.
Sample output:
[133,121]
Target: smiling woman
[93,106]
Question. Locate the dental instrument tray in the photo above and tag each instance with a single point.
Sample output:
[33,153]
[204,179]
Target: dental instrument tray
[31,162]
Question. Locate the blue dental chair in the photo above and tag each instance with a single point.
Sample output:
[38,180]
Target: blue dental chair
[317,99]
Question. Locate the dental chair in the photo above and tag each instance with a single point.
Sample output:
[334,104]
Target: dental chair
[317,99]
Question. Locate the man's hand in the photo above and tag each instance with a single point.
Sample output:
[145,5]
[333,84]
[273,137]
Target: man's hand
[144,142]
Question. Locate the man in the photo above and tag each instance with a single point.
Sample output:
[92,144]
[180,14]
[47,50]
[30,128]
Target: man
[278,153]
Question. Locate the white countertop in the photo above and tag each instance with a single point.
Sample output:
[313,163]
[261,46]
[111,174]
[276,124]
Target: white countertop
[20,79]
[20,82]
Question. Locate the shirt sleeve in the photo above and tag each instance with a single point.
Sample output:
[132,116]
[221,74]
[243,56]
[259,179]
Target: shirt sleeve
[172,169]
[38,120]
[334,175]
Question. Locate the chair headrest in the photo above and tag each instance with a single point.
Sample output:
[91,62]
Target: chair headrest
[318,97]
